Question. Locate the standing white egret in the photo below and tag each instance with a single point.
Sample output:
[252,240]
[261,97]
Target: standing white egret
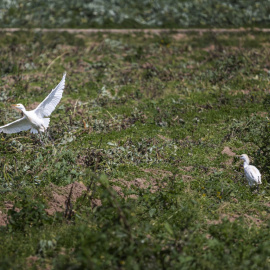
[35,120]
[253,175]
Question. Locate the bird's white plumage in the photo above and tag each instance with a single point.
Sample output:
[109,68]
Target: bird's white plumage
[252,174]
[19,125]
[47,106]
[35,120]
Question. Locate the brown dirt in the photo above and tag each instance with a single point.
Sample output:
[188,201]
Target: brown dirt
[166,139]
[234,200]
[140,183]
[56,202]
[233,217]
[33,106]
[186,169]
[228,162]
[9,79]
[153,182]
[3,219]
[210,48]
[179,36]
[27,77]
[227,151]
[262,114]
[3,215]
[254,220]
[158,172]
[214,169]
[187,178]
[31,261]
[60,195]
[267,204]
[244,92]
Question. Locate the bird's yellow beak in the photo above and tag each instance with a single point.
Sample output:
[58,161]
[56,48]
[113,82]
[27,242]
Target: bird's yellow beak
[14,105]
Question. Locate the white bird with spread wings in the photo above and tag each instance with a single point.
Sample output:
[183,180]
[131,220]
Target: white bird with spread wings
[36,120]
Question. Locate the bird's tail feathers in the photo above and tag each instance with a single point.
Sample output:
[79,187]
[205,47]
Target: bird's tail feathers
[46,122]
[33,130]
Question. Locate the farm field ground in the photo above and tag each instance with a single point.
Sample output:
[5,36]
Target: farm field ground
[142,171]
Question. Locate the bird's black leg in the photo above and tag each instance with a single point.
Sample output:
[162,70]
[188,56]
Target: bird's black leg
[49,136]
[258,187]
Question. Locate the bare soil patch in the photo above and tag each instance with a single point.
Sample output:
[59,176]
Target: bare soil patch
[153,183]
[187,168]
[33,106]
[166,139]
[137,183]
[57,202]
[60,195]
[158,172]
[210,48]
[233,217]
[227,151]
[3,213]
[267,204]
[31,261]
[179,36]
[187,178]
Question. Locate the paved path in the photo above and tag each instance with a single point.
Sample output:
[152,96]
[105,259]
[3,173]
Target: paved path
[126,31]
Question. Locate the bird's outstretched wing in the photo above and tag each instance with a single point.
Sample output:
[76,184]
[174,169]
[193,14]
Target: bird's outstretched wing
[16,126]
[47,106]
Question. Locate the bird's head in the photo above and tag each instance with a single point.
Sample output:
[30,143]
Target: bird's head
[244,157]
[19,106]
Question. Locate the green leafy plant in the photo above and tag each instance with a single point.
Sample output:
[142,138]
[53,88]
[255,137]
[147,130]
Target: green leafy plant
[27,213]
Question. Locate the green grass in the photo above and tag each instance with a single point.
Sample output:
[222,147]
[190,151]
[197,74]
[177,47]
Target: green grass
[149,117]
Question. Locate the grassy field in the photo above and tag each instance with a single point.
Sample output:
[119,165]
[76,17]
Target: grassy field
[142,171]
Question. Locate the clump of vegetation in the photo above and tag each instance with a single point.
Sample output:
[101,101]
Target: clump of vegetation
[26,213]
[142,169]
[134,14]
